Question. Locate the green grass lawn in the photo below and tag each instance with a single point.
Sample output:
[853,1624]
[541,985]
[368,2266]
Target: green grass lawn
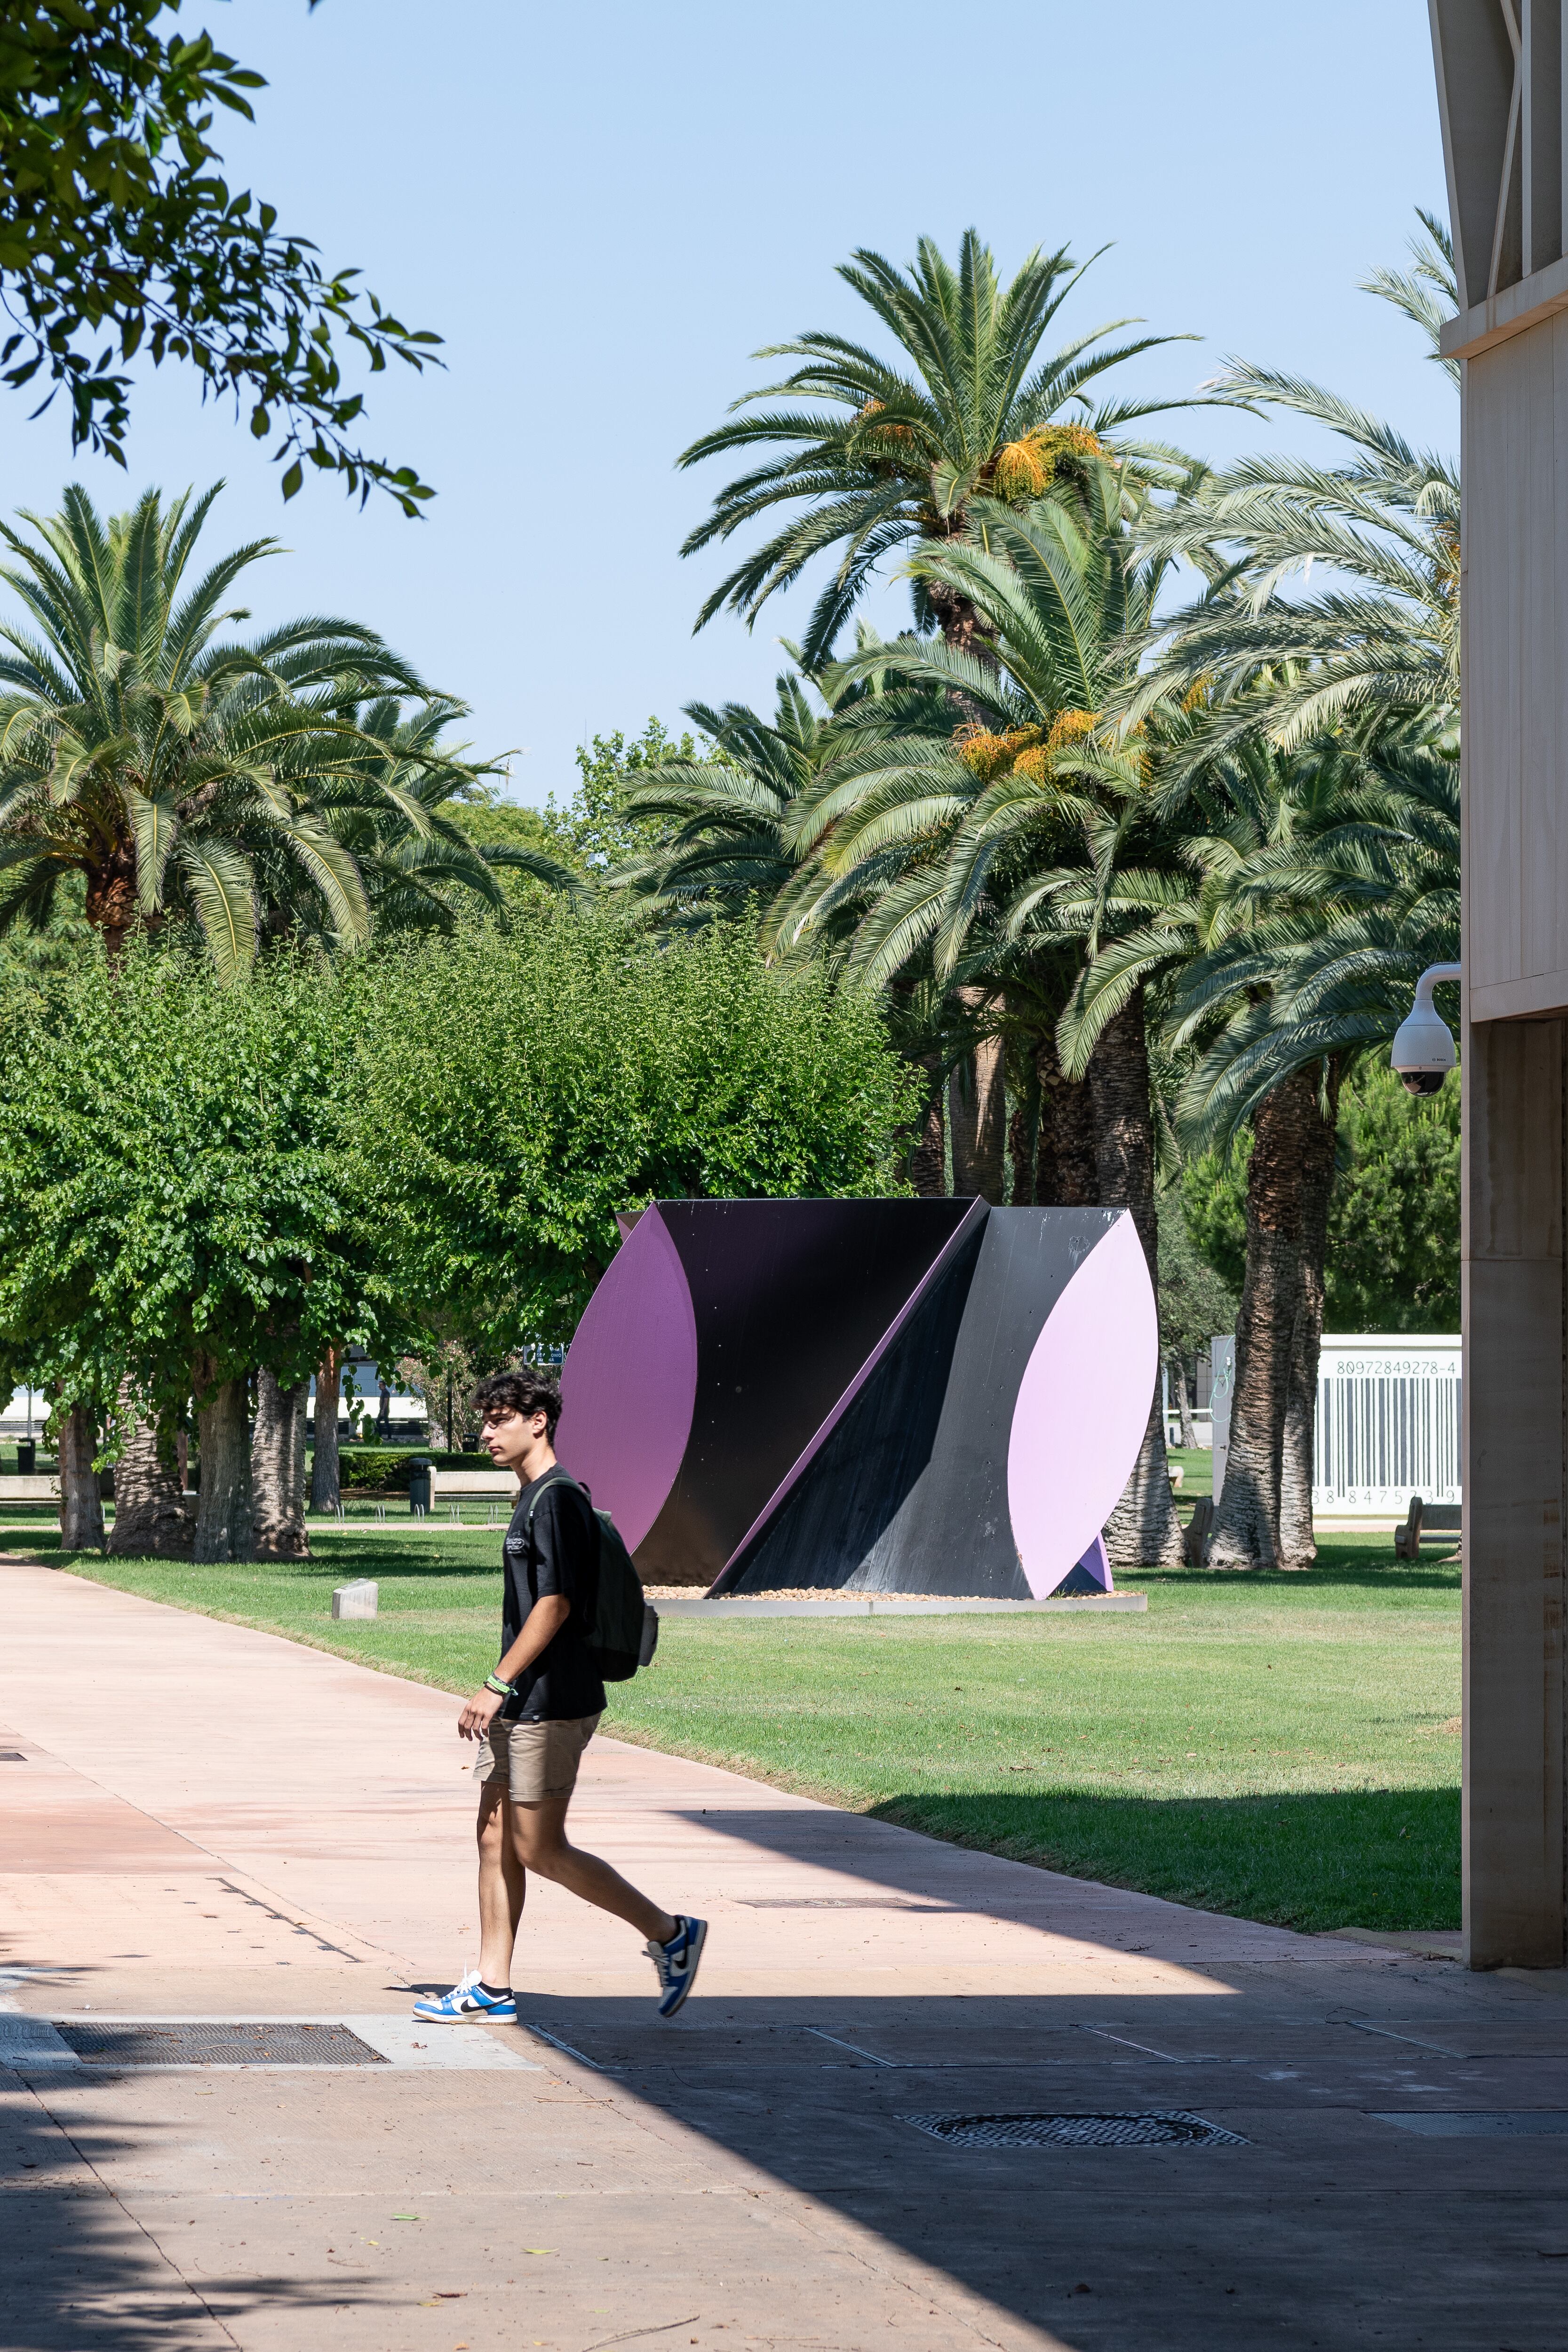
[1197,1472]
[1282,1748]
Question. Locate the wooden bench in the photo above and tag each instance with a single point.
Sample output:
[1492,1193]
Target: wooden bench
[1438,1523]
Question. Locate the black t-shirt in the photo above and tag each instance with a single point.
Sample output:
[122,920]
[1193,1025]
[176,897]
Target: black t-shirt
[557,1554]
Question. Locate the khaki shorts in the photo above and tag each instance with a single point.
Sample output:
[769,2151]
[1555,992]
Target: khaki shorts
[535,1761]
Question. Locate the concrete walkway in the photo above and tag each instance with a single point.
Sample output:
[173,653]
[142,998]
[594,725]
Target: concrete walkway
[212,1823]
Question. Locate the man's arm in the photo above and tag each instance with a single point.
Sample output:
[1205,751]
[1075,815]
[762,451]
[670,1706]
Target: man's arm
[545,1621]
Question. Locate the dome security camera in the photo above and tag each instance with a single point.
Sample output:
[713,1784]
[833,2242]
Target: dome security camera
[1423,1046]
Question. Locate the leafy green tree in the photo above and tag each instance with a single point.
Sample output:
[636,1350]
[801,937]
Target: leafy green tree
[894,451]
[601,825]
[581,840]
[118,231]
[517,1087]
[1194,1304]
[1394,1226]
[1393,1258]
[178,772]
[176,1209]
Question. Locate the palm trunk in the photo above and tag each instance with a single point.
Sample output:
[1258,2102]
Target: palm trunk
[927,1161]
[1021,1126]
[112,904]
[1288,1133]
[150,1519]
[1145,1531]
[326,1491]
[81,1506]
[1184,1403]
[1297,1545]
[1066,1176]
[976,1097]
[278,1469]
[223,1530]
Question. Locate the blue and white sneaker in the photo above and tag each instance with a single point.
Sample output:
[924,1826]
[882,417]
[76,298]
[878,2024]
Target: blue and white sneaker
[676,1962]
[467,2003]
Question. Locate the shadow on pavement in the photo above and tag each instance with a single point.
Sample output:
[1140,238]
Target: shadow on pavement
[1329,2228]
[1377,1858]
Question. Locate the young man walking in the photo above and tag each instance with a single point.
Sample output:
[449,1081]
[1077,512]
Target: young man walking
[536,1715]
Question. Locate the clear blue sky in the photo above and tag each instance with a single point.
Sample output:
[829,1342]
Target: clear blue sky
[605,211]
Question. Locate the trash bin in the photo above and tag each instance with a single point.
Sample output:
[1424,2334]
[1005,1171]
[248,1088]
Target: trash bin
[27,1457]
[420,1485]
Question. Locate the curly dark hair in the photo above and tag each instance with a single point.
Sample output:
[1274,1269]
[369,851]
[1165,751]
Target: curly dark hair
[526,1392]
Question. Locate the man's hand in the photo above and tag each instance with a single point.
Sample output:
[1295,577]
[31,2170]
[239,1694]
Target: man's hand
[478,1714]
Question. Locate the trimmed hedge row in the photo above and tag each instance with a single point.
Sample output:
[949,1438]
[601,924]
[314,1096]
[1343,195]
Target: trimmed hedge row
[384,1468]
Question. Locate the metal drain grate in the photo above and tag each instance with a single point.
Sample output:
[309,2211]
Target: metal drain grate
[1173,2129]
[204,2044]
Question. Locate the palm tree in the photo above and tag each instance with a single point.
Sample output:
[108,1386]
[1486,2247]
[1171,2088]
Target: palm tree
[895,451]
[997,850]
[396,807]
[723,816]
[1216,945]
[1377,647]
[1358,892]
[1333,884]
[173,770]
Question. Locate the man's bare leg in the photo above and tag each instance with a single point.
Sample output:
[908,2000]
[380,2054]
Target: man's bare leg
[538,1841]
[503,1885]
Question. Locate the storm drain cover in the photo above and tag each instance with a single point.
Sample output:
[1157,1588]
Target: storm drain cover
[206,2043]
[1174,2128]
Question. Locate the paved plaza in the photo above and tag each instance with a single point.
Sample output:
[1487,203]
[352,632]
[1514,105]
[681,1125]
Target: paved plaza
[200,1823]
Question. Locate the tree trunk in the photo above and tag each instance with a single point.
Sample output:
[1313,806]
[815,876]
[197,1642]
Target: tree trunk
[1066,1176]
[1288,1143]
[927,1161]
[81,1506]
[1143,1531]
[278,1469]
[222,1515]
[150,1519]
[325,1489]
[112,904]
[1021,1126]
[1297,1545]
[1184,1403]
[1023,1093]
[976,1097]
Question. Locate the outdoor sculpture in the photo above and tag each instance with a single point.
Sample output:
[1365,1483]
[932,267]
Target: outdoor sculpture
[904,1396]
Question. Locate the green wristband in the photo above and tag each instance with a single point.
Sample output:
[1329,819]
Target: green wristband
[493,1682]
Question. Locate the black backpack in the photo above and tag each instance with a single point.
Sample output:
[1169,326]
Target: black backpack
[623,1631]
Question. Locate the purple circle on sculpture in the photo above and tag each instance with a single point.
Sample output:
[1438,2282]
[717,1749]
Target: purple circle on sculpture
[1082,1408]
[628,1386]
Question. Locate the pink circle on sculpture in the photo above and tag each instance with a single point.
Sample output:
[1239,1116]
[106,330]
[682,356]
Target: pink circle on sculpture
[628,1387]
[1082,1408]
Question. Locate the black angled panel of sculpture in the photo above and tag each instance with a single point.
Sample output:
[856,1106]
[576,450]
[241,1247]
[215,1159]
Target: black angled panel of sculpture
[888,1396]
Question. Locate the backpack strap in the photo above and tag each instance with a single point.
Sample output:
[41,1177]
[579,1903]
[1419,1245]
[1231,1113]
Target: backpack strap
[550,1479]
[557,1475]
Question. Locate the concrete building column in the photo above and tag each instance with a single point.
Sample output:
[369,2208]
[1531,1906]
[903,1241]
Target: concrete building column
[1514,1400]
